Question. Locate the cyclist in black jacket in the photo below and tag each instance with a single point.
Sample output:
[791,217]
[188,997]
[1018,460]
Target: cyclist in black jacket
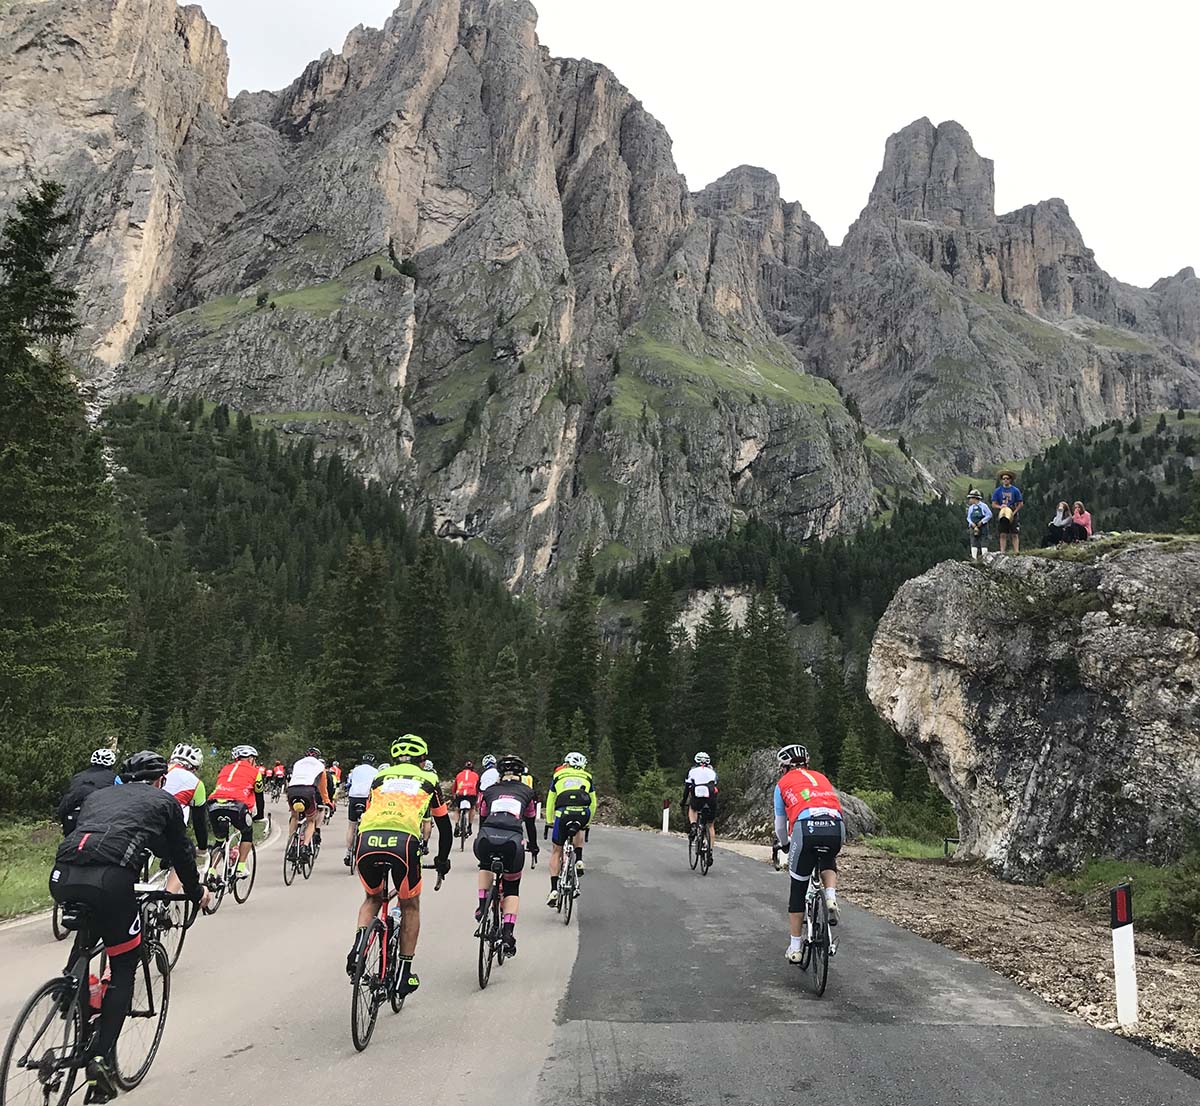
[100,773]
[98,864]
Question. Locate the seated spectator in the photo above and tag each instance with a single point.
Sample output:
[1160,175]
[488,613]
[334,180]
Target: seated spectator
[1081,522]
[1061,526]
[979,514]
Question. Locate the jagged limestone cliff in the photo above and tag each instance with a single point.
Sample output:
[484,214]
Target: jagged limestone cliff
[476,270]
[1056,702]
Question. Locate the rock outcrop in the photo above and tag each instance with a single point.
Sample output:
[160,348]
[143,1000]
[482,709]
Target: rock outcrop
[476,270]
[1055,701]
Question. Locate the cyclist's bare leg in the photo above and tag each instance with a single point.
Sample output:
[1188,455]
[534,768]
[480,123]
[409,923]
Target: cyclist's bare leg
[311,825]
[556,859]
[410,925]
[244,851]
[368,910]
[350,828]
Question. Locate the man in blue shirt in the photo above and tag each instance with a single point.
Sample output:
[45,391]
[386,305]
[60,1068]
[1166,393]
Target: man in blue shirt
[1006,503]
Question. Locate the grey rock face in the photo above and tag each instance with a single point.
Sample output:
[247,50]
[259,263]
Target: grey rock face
[1054,702]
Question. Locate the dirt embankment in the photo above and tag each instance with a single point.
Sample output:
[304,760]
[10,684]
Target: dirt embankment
[1038,936]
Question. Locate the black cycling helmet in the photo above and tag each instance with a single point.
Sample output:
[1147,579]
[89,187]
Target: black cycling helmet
[510,765]
[368,758]
[144,766]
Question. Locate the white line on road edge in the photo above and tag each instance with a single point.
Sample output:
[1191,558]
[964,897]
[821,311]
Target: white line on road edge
[1121,911]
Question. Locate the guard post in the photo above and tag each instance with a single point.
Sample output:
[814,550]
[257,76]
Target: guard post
[1121,917]
[666,815]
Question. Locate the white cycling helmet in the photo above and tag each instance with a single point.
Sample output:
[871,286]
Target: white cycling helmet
[703,759]
[187,754]
[489,761]
[243,752]
[105,758]
[427,765]
[575,760]
[792,756]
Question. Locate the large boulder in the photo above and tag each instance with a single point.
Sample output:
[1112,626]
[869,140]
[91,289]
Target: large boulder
[746,802]
[1055,700]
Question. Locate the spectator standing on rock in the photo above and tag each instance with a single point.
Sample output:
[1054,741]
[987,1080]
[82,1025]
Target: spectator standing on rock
[1061,526]
[979,514]
[1006,503]
[1081,522]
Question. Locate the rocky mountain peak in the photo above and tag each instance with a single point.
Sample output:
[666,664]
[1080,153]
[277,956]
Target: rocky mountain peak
[934,174]
[741,191]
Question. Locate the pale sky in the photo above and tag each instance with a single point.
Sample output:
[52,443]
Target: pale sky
[1096,102]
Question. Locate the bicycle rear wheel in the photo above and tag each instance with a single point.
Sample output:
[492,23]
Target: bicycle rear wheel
[291,860]
[243,885]
[306,865]
[37,1068]
[571,882]
[56,923]
[218,888]
[693,850]
[177,918]
[488,936]
[705,852]
[393,971]
[818,958]
[367,993]
[143,1029]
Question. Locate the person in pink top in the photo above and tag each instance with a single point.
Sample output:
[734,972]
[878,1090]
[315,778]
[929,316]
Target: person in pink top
[1081,522]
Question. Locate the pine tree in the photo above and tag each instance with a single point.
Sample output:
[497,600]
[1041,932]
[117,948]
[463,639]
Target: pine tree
[542,756]
[577,653]
[712,666]
[604,768]
[59,596]
[504,706]
[653,668]
[854,773]
[578,738]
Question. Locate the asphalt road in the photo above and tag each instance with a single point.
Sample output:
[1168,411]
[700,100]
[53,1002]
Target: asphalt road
[679,997]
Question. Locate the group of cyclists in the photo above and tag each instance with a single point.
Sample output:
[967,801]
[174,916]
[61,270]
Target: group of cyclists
[109,831]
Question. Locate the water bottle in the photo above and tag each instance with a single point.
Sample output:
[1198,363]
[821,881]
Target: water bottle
[98,988]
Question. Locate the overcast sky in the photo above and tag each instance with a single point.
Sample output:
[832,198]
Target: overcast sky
[1096,102]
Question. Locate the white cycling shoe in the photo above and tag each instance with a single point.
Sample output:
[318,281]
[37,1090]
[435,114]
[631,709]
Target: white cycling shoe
[794,956]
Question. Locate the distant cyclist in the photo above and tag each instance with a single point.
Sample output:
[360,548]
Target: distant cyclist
[700,794]
[97,865]
[191,794]
[237,800]
[306,787]
[808,816]
[389,844]
[466,789]
[358,790]
[504,808]
[99,773]
[571,798]
[490,773]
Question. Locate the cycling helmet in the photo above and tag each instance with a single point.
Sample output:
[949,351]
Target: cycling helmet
[106,758]
[336,764]
[489,761]
[468,764]
[368,758]
[511,765]
[575,760]
[187,754]
[144,767]
[792,756]
[410,747]
[243,752]
[427,765]
[314,752]
[703,759]
[384,765]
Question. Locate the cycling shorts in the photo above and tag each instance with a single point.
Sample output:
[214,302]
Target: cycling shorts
[470,800]
[706,803]
[355,808]
[509,847]
[562,818]
[106,893]
[815,844]
[222,815]
[306,793]
[384,852]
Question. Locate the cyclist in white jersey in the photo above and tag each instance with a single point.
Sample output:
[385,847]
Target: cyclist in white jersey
[490,774]
[192,796]
[358,791]
[307,786]
[700,793]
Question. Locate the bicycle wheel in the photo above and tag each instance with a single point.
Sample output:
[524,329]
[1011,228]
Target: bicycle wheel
[693,850]
[393,982]
[571,882]
[818,958]
[291,863]
[306,865]
[143,1029]
[60,934]
[218,889]
[705,853]
[176,920]
[45,1042]
[367,992]
[244,884]
[487,938]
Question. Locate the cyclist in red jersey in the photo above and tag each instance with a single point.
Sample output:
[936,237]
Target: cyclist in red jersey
[466,790]
[808,818]
[238,790]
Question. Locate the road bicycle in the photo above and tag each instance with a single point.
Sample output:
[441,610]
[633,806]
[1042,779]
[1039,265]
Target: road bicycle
[462,829]
[295,857]
[275,789]
[818,944]
[223,874]
[328,816]
[376,971]
[699,846]
[166,921]
[568,882]
[491,931]
[54,1034]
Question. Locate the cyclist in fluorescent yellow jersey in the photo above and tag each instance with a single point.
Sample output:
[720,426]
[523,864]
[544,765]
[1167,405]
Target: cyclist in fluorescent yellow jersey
[389,842]
[571,797]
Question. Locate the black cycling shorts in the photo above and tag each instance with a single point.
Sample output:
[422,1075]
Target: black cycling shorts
[815,844]
[222,815]
[389,852]
[305,793]
[707,804]
[470,800]
[106,892]
[565,818]
[355,808]
[509,847]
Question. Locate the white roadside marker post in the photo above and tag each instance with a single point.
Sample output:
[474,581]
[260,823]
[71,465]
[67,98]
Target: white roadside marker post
[666,815]
[1121,911]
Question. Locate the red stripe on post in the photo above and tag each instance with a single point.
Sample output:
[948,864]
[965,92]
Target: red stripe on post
[1121,906]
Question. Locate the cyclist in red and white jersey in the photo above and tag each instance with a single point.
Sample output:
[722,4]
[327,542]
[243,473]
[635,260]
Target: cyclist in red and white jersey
[808,818]
[237,799]
[466,790]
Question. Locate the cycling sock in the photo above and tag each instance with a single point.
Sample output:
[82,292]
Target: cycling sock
[482,894]
[796,942]
[554,883]
[578,854]
[510,920]
[831,894]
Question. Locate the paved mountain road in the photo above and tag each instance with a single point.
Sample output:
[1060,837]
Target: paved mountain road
[680,997]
